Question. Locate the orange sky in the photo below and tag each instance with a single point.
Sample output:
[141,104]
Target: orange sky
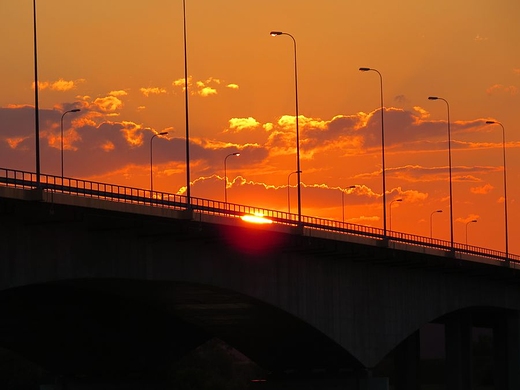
[121,62]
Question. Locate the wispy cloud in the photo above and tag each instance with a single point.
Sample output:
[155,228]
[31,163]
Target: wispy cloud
[482,190]
[499,88]
[479,38]
[203,88]
[60,85]
[152,91]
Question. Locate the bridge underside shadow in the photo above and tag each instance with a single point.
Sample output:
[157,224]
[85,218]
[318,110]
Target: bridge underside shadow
[124,329]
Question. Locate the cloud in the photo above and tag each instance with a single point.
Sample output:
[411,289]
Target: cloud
[499,88]
[423,114]
[417,173]
[207,91]
[59,85]
[363,220]
[239,124]
[203,88]
[268,126]
[482,190]
[180,82]
[108,104]
[153,91]
[468,219]
[401,99]
[118,93]
[480,38]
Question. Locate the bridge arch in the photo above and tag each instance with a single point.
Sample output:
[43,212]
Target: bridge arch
[107,326]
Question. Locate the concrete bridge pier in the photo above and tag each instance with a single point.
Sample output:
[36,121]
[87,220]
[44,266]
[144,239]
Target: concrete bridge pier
[458,336]
[506,340]
[407,360]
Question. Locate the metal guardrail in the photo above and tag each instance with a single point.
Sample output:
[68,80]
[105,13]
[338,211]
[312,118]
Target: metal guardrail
[117,193]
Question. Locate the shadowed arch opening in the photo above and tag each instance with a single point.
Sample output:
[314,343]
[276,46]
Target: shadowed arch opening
[110,328]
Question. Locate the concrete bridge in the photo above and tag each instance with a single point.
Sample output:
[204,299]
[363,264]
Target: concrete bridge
[101,281]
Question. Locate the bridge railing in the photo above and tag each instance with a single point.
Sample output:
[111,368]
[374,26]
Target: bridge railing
[117,193]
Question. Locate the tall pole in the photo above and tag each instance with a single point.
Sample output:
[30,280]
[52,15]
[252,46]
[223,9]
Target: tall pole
[343,206]
[382,143]
[151,161]
[431,221]
[505,184]
[449,167]
[390,207]
[225,174]
[467,223]
[297,120]
[288,192]
[188,180]
[343,202]
[36,104]
[61,142]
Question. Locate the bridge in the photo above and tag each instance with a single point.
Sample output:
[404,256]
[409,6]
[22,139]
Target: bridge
[103,281]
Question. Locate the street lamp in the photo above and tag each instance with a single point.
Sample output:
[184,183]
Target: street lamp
[382,143]
[431,223]
[61,123]
[390,207]
[297,120]
[36,100]
[449,166]
[225,174]
[188,180]
[343,202]
[467,223]
[288,192]
[151,155]
[505,181]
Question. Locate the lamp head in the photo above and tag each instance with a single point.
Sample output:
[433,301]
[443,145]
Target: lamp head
[438,211]
[275,33]
[433,97]
[364,69]
[236,154]
[163,133]
[75,110]
[490,122]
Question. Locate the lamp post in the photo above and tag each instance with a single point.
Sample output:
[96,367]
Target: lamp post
[61,127]
[390,207]
[225,174]
[467,223]
[343,202]
[505,183]
[36,100]
[288,192]
[188,180]
[151,155]
[382,143]
[449,167]
[431,223]
[297,120]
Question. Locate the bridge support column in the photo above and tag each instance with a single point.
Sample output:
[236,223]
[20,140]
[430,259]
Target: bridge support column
[407,360]
[506,340]
[458,336]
